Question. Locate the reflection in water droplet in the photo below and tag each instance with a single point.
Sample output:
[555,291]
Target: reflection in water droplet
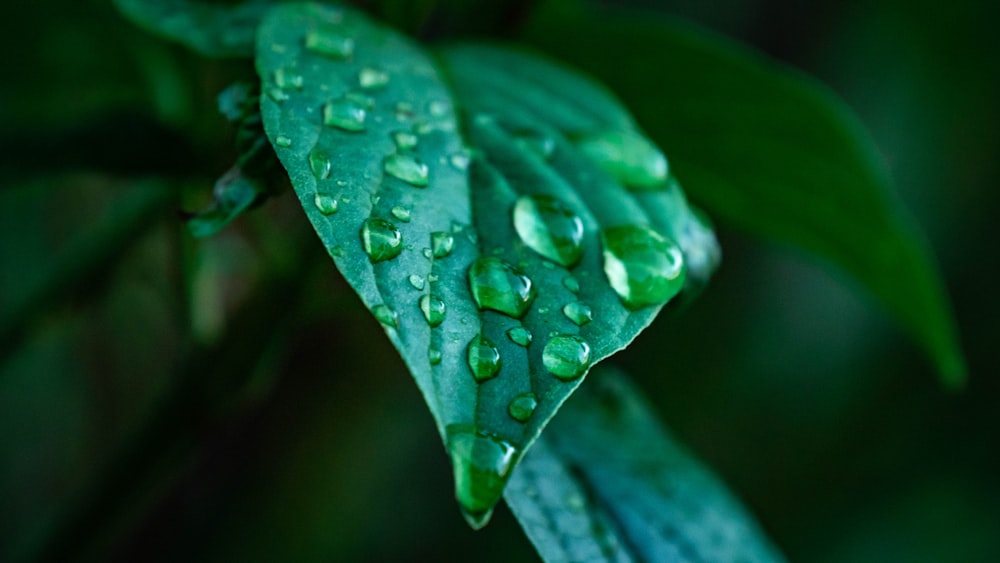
[482,464]
[386,315]
[433,309]
[498,286]
[522,406]
[566,356]
[320,164]
[642,266]
[549,227]
[407,168]
[417,281]
[401,213]
[442,244]
[629,157]
[326,204]
[484,358]
[381,239]
[519,335]
[371,78]
[579,313]
[405,140]
[570,283]
[283,141]
[347,113]
[330,42]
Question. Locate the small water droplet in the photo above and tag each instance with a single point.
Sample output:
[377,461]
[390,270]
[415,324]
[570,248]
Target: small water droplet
[401,213]
[642,266]
[437,108]
[277,94]
[433,278]
[519,335]
[484,358]
[482,464]
[283,141]
[442,243]
[336,252]
[407,168]
[405,140]
[417,281]
[330,42]
[404,111]
[498,286]
[549,227]
[538,143]
[371,78]
[566,356]
[386,315]
[570,283]
[522,406]
[579,313]
[381,240]
[427,253]
[347,113]
[287,79]
[460,161]
[320,164]
[434,356]
[629,157]
[433,309]
[325,203]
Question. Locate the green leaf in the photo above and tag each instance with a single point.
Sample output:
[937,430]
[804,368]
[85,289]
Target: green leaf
[608,483]
[423,229]
[767,150]
[214,30]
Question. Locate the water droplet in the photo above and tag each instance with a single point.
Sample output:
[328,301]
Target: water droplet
[401,213]
[405,140]
[434,356]
[642,266]
[325,203]
[287,79]
[386,315]
[433,309]
[566,356]
[460,161]
[498,286]
[579,313]
[437,108]
[283,141]
[484,358]
[336,252]
[570,283]
[522,406]
[370,78]
[482,464]
[320,164]
[519,335]
[629,157]
[330,42]
[277,94]
[427,253]
[442,243]
[404,111]
[417,281]
[542,145]
[407,168]
[549,227]
[347,113]
[381,239]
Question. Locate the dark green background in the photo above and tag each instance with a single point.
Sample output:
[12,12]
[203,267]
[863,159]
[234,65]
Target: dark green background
[293,432]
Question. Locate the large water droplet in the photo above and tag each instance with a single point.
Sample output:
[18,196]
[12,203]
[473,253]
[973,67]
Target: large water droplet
[325,203]
[629,157]
[442,244]
[579,313]
[433,309]
[381,239]
[482,464]
[484,358]
[498,286]
[405,140]
[566,356]
[330,42]
[522,406]
[407,168]
[320,164]
[370,78]
[549,227]
[386,315]
[519,335]
[347,113]
[642,266]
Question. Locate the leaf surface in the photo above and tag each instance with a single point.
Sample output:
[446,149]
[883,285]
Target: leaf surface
[608,483]
[767,150]
[214,30]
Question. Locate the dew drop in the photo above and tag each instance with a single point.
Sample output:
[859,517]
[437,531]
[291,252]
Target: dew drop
[381,240]
[407,168]
[386,315]
[277,94]
[460,161]
[629,157]
[330,42]
[434,356]
[571,283]
[519,335]
[325,203]
[336,252]
[482,463]
[427,253]
[642,266]
[433,309]
[401,213]
[283,141]
[538,143]
[405,140]
[498,286]
[521,407]
[417,281]
[579,313]
[566,356]
[370,78]
[549,227]
[442,244]
[287,79]
[404,111]
[437,108]
[484,358]
[320,164]
[347,113]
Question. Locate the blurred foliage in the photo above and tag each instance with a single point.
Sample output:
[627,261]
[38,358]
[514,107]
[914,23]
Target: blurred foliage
[281,441]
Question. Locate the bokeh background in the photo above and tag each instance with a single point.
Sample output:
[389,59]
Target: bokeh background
[170,399]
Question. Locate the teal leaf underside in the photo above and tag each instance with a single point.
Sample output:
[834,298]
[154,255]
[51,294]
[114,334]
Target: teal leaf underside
[476,229]
[606,482]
